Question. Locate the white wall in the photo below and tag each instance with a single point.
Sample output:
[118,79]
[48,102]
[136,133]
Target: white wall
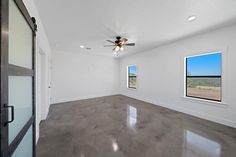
[77,75]
[161,75]
[42,46]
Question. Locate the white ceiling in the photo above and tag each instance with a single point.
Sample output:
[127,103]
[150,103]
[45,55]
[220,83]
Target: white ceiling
[148,23]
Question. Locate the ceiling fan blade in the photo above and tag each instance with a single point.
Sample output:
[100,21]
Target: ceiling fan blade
[124,40]
[111,41]
[130,44]
[109,45]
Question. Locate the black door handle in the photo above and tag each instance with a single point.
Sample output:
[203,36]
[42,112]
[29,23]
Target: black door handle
[12,114]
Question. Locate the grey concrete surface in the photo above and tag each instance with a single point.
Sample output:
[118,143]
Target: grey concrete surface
[118,126]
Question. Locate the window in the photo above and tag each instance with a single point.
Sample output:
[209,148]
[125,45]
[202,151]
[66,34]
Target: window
[132,77]
[203,76]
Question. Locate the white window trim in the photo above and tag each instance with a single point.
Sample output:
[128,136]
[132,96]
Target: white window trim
[222,103]
[127,77]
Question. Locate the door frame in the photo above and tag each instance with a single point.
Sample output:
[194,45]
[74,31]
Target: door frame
[12,70]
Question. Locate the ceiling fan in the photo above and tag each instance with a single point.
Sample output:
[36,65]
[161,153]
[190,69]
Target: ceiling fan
[119,44]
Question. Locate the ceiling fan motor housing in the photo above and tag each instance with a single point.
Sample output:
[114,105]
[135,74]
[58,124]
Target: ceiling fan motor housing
[118,37]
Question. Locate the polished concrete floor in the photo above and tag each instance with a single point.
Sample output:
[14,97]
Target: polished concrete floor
[118,126]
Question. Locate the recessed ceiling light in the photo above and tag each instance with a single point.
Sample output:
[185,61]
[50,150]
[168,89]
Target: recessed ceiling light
[192,18]
[81,46]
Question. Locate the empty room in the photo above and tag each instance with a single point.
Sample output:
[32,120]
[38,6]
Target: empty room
[128,78]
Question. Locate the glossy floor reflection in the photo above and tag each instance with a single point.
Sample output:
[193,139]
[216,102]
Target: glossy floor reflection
[118,126]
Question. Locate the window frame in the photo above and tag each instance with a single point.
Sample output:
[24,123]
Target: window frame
[204,76]
[128,77]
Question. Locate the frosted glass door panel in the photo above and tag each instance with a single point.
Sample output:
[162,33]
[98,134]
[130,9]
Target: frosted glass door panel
[20,38]
[25,148]
[20,96]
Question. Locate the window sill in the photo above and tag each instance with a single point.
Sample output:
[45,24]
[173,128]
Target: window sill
[132,88]
[207,102]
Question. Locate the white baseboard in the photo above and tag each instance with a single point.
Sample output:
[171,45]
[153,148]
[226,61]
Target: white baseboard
[63,100]
[187,111]
[179,109]
[37,137]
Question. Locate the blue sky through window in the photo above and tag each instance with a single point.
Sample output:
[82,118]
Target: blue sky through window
[133,69]
[209,65]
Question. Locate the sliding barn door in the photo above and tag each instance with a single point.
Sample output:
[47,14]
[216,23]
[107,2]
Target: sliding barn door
[17,80]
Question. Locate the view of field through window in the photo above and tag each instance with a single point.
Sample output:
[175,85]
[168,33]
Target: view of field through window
[132,76]
[204,76]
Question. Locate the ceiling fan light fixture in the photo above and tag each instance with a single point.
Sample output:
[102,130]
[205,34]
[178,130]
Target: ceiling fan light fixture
[117,48]
[116,53]
[119,44]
